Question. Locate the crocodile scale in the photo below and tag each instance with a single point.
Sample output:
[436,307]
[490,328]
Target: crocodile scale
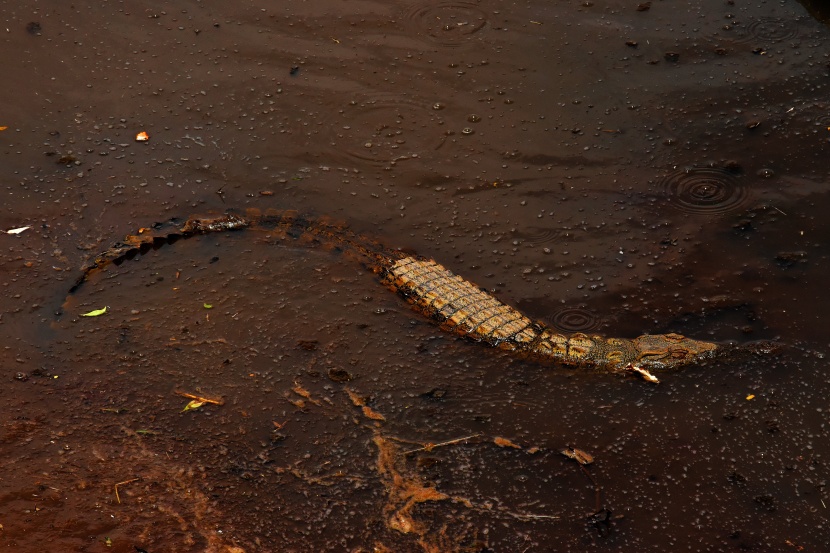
[458,305]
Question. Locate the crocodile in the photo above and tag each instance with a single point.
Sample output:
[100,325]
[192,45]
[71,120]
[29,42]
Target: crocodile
[455,304]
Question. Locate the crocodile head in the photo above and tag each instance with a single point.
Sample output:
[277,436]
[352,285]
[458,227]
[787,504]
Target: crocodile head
[666,351]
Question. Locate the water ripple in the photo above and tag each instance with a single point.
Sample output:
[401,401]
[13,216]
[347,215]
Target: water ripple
[448,23]
[704,190]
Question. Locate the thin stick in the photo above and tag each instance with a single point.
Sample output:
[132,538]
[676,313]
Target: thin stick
[121,484]
[430,447]
[778,210]
[517,515]
[173,344]
[597,489]
[200,398]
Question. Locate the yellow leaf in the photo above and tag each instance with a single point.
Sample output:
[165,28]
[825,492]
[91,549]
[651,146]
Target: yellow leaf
[194,404]
[3,128]
[750,396]
[94,313]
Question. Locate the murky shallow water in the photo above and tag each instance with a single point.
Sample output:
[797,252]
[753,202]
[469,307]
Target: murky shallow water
[601,166]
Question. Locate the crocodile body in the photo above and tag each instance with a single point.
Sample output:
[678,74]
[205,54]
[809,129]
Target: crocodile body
[458,305]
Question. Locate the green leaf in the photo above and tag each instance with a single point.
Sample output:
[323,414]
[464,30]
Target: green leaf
[95,313]
[208,305]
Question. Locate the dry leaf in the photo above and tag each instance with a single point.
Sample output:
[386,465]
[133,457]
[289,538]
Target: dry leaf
[370,413]
[581,457]
[142,137]
[504,442]
[750,396]
[17,230]
[357,400]
[302,392]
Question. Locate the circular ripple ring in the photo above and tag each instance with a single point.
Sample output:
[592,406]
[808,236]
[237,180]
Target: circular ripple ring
[448,23]
[704,190]
[574,319]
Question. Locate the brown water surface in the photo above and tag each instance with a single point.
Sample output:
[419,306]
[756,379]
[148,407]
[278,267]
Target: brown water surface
[612,167]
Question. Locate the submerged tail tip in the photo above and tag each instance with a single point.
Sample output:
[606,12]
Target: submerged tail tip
[219,223]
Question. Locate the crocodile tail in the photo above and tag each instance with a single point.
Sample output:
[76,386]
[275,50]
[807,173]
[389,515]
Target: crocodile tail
[323,232]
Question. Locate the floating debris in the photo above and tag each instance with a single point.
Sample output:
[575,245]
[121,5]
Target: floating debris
[581,457]
[504,442]
[117,497]
[370,413]
[192,405]
[647,376]
[197,401]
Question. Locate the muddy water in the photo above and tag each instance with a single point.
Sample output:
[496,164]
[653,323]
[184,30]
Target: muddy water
[606,167]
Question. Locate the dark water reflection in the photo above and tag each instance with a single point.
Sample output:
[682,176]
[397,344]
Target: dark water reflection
[603,166]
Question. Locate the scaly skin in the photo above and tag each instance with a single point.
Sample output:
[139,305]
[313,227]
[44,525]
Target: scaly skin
[465,309]
[458,305]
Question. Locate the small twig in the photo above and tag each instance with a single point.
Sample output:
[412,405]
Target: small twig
[430,447]
[515,514]
[196,342]
[121,484]
[530,516]
[200,398]
[778,210]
